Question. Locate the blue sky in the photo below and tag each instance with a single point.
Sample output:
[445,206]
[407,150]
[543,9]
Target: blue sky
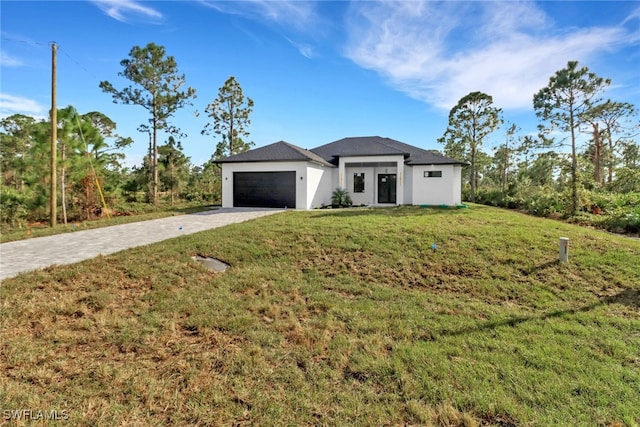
[318,71]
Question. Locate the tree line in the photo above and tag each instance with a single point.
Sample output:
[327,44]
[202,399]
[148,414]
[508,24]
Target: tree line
[89,151]
[555,172]
[550,173]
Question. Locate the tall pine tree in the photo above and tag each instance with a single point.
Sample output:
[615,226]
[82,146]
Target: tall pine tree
[230,114]
[564,103]
[157,88]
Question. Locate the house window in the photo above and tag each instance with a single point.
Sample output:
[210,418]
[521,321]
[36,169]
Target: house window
[433,174]
[358,182]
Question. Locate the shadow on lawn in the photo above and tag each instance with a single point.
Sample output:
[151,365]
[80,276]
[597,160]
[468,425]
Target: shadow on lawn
[390,211]
[540,267]
[628,297]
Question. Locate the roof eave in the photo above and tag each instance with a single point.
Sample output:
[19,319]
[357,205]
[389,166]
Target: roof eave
[410,163]
[405,155]
[273,160]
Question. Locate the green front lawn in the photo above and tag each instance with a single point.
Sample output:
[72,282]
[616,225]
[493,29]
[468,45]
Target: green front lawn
[336,317]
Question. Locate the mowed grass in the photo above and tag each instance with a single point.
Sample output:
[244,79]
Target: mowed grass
[344,317]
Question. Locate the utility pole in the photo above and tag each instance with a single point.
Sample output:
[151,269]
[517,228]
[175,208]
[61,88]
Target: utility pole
[54,136]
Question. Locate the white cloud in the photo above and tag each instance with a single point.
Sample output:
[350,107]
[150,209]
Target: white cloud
[299,17]
[634,15]
[125,10]
[439,52]
[10,104]
[297,14]
[305,49]
[9,61]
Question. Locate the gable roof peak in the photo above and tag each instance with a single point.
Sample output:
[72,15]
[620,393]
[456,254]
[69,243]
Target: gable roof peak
[280,151]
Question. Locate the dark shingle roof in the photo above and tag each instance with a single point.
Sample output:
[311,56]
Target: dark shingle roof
[329,154]
[280,151]
[377,146]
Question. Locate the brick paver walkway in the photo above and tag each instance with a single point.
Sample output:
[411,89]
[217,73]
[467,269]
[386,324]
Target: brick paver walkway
[39,252]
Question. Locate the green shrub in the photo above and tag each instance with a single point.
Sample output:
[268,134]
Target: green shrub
[341,198]
[197,195]
[610,201]
[13,207]
[498,198]
[545,203]
[626,180]
[624,220]
[490,197]
[133,208]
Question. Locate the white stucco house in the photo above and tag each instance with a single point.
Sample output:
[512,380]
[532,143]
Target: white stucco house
[375,171]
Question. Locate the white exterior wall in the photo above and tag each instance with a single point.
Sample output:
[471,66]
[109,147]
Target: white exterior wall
[437,191]
[457,184]
[319,181]
[335,180]
[408,185]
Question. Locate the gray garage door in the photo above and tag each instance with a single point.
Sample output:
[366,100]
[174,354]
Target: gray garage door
[264,189]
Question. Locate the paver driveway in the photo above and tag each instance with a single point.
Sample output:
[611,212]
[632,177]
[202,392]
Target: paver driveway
[31,254]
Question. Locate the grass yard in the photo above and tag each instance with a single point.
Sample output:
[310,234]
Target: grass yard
[336,317]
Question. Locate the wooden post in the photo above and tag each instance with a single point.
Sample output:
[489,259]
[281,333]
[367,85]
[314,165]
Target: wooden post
[54,136]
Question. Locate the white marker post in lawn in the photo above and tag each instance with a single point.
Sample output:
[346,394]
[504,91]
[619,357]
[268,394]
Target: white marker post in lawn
[564,249]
